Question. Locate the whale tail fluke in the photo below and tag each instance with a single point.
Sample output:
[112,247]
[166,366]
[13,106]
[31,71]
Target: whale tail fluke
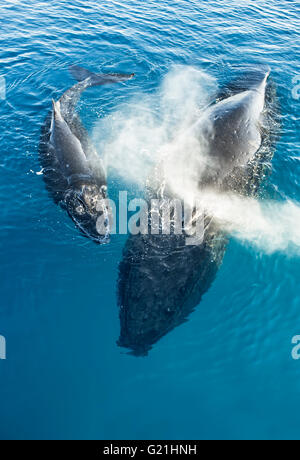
[81,74]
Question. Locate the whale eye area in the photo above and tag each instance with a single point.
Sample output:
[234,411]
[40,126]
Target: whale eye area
[91,197]
[80,209]
[76,205]
[79,206]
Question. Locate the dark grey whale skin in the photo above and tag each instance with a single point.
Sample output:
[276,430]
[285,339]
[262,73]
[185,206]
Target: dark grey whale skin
[88,183]
[161,280]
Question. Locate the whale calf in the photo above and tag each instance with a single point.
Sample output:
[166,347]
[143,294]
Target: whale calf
[72,170]
[161,279]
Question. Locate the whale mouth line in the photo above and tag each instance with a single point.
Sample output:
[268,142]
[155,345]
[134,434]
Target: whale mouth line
[82,206]
[100,240]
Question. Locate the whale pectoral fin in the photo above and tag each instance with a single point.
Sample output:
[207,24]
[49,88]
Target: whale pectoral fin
[56,110]
[81,74]
[53,116]
[55,106]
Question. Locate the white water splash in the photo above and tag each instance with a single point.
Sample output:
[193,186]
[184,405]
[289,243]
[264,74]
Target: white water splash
[268,225]
[152,129]
[130,140]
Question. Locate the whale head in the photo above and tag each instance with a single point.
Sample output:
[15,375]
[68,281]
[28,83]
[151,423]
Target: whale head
[86,206]
[161,281]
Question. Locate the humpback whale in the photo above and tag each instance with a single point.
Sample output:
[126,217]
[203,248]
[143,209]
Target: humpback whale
[161,279]
[72,170]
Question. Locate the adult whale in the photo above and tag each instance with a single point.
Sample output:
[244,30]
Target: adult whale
[161,279]
[72,170]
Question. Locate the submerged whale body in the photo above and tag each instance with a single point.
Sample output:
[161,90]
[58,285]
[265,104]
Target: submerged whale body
[73,172]
[161,279]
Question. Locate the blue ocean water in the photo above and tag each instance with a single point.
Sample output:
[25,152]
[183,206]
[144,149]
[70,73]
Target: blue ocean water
[228,371]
